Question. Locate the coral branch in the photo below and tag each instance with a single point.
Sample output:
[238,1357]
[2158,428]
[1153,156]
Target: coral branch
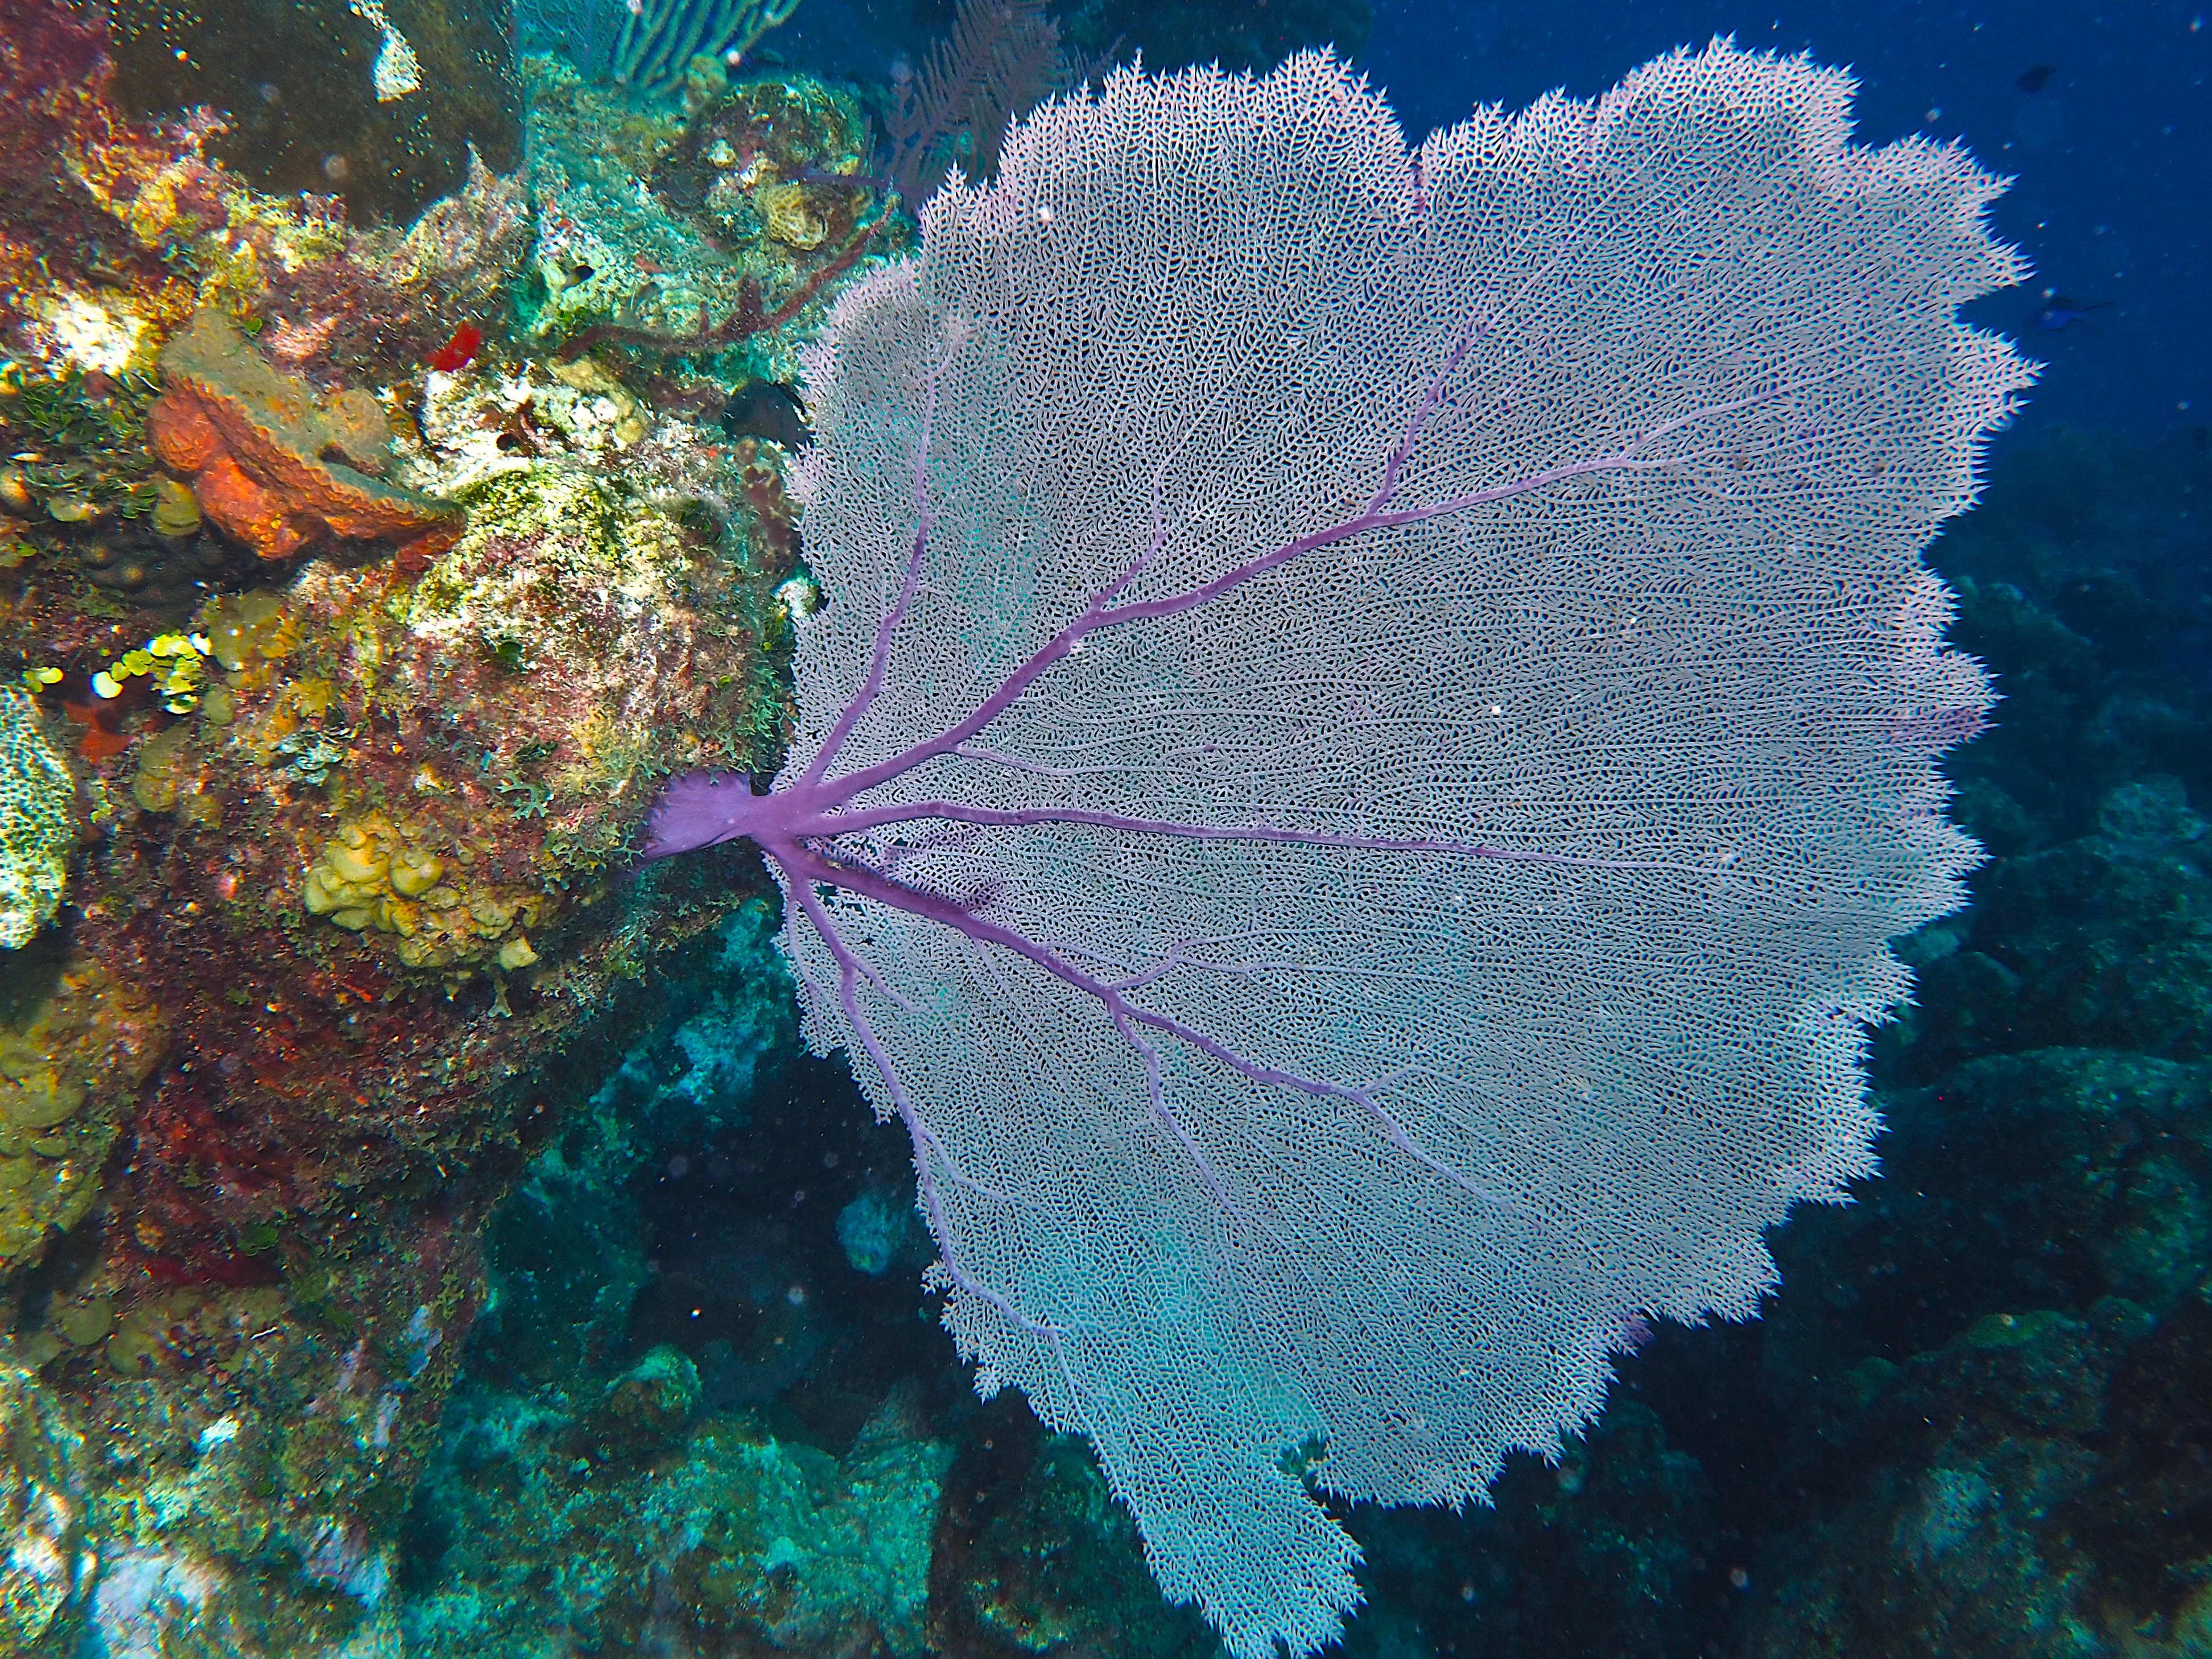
[940,1224]
[1101,613]
[847,823]
[805,866]
[879,660]
[1000,57]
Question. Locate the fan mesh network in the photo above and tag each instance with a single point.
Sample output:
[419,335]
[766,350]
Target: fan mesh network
[1688,702]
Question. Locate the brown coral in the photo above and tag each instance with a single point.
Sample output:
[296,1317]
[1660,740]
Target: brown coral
[375,877]
[791,217]
[272,466]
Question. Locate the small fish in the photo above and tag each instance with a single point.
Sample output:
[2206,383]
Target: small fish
[767,409]
[459,351]
[2035,79]
[2061,313]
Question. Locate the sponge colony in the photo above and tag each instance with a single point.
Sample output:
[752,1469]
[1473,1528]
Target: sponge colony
[271,466]
[372,878]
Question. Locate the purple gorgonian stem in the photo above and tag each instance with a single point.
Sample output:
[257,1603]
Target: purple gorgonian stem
[798,825]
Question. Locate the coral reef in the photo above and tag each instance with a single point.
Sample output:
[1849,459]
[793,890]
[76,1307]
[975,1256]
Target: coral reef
[75,1046]
[270,466]
[80,254]
[399,1195]
[759,194]
[373,875]
[374,304]
[42,1556]
[82,495]
[735,1541]
[1979,1425]
[1035,1556]
[790,1408]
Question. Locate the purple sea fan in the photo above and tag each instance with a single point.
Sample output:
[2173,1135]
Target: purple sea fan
[1356,775]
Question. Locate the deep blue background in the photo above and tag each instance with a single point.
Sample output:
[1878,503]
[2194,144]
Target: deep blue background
[2112,157]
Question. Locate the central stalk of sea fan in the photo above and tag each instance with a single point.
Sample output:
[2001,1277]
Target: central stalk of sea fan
[1375,715]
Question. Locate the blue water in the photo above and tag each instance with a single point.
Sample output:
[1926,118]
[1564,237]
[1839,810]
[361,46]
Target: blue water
[2109,156]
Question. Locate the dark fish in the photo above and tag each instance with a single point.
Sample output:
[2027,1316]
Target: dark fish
[2034,80]
[2060,312]
[457,352]
[767,409]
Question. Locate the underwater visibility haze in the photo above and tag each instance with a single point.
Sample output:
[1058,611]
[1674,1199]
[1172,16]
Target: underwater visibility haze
[883,827]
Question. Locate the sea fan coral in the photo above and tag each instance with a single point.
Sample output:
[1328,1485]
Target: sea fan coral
[1375,715]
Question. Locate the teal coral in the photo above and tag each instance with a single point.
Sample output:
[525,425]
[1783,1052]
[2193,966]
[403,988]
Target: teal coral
[36,830]
[42,1559]
[739,1542]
